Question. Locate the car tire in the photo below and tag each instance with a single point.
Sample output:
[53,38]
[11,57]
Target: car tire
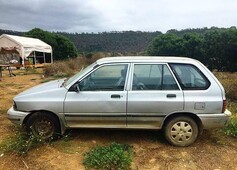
[181,131]
[43,125]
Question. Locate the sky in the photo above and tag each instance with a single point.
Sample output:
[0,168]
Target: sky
[116,15]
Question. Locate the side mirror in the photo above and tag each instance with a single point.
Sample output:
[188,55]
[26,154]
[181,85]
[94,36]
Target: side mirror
[76,87]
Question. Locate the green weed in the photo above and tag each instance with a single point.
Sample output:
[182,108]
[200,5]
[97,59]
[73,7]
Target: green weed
[20,143]
[112,157]
[231,127]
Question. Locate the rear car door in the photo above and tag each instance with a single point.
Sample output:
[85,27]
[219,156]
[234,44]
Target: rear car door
[154,93]
[208,96]
[101,100]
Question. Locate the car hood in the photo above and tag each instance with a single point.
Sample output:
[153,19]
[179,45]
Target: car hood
[43,88]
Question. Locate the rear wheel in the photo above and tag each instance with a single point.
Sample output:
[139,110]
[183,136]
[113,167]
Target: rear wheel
[43,125]
[181,131]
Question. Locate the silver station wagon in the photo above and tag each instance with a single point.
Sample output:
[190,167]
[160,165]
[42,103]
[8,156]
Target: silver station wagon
[178,95]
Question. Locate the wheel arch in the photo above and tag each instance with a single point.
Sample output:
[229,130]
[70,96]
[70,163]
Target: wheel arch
[61,124]
[187,114]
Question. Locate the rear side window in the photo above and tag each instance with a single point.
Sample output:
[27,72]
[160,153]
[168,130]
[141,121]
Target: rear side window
[153,77]
[190,77]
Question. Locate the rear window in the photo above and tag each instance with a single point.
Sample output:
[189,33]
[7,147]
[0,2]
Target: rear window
[190,77]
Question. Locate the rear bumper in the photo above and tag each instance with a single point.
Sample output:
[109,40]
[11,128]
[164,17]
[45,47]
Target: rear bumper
[16,117]
[219,120]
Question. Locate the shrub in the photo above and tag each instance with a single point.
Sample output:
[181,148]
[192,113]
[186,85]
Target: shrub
[112,157]
[89,55]
[231,127]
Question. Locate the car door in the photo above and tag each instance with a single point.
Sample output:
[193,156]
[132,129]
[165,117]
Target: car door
[154,93]
[101,100]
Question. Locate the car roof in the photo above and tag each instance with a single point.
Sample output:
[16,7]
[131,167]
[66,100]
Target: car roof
[135,59]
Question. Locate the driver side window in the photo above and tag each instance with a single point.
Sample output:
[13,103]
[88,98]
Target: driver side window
[105,78]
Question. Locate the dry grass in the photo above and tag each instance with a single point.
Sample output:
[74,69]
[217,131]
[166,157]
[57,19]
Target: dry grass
[151,151]
[229,81]
[69,67]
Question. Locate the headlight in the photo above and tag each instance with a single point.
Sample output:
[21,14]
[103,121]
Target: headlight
[14,105]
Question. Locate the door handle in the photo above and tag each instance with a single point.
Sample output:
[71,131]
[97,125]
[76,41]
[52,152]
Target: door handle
[115,96]
[171,95]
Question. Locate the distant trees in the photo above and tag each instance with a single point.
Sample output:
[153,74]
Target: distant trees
[119,42]
[62,46]
[216,48]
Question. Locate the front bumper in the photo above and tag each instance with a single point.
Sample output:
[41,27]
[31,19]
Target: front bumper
[16,117]
[210,121]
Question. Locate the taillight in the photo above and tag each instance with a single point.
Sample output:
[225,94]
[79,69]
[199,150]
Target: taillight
[224,106]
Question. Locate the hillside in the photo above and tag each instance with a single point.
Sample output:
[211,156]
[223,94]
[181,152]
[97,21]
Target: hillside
[123,42]
[120,42]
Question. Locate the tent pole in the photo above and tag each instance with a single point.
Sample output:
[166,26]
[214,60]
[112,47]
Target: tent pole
[52,57]
[23,61]
[44,56]
[34,58]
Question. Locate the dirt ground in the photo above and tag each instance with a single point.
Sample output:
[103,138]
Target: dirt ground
[213,150]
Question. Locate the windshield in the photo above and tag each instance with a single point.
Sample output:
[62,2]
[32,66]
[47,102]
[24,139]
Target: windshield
[73,78]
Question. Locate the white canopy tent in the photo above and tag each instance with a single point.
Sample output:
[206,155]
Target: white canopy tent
[25,46]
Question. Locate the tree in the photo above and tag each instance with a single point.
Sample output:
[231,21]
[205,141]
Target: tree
[167,45]
[216,48]
[65,48]
[192,46]
[62,46]
[230,50]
